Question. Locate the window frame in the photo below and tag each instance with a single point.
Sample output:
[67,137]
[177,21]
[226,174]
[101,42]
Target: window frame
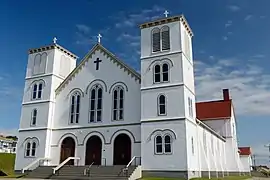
[118,100]
[160,39]
[156,144]
[159,105]
[37,90]
[161,72]
[73,115]
[34,117]
[30,149]
[170,143]
[96,87]
[169,40]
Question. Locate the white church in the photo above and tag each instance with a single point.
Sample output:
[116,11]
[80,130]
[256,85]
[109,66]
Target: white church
[103,112]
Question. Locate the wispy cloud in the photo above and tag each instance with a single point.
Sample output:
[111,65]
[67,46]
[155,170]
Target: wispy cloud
[249,84]
[228,23]
[248,17]
[225,38]
[233,8]
[257,56]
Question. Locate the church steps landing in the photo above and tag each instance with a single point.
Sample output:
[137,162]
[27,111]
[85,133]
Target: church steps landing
[41,172]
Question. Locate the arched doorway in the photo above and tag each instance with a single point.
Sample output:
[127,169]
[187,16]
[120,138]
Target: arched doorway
[122,150]
[93,151]
[67,150]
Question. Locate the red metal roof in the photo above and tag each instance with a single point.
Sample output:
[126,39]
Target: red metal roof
[245,150]
[213,110]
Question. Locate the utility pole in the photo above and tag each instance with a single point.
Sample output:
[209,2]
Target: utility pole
[268,146]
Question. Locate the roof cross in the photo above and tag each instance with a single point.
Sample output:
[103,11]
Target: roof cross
[99,38]
[166,13]
[54,40]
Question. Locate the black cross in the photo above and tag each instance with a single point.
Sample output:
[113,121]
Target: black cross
[97,63]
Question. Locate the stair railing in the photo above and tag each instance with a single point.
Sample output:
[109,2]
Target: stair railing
[86,171]
[64,162]
[36,162]
[125,169]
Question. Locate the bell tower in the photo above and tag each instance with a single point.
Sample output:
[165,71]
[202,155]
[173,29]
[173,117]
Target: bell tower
[168,119]
[47,67]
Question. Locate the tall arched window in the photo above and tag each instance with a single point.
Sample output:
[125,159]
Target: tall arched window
[34,117]
[161,105]
[156,40]
[34,91]
[165,36]
[118,103]
[168,144]
[159,144]
[40,87]
[37,62]
[157,73]
[165,72]
[75,108]
[43,63]
[96,103]
[30,148]
[33,149]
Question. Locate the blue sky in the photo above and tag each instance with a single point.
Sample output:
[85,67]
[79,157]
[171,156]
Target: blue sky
[231,48]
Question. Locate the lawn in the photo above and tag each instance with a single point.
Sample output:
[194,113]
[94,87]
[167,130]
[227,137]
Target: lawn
[7,161]
[225,178]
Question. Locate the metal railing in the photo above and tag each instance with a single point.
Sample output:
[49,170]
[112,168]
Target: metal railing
[64,162]
[36,162]
[124,170]
[86,171]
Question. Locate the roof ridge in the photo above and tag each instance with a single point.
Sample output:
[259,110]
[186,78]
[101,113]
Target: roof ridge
[110,55]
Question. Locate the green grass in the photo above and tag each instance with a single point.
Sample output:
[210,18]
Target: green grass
[225,178]
[7,162]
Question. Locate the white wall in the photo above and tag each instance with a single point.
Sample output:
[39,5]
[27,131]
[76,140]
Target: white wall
[246,162]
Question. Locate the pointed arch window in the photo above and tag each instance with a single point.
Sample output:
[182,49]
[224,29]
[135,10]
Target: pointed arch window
[161,72]
[34,117]
[37,62]
[30,148]
[96,94]
[156,40]
[118,103]
[165,36]
[159,144]
[75,108]
[40,62]
[161,105]
[168,144]
[157,74]
[34,93]
[165,72]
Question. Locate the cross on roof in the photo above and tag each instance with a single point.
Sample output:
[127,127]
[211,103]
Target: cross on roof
[99,38]
[166,13]
[54,40]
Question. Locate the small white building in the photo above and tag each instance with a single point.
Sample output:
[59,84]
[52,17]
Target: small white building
[245,157]
[7,145]
[103,111]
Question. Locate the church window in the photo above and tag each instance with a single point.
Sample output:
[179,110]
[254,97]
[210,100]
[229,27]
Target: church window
[43,63]
[156,39]
[118,103]
[37,62]
[96,103]
[190,107]
[159,144]
[75,108]
[30,148]
[161,105]
[40,62]
[165,36]
[34,93]
[157,73]
[168,144]
[192,145]
[165,72]
[34,117]
[37,90]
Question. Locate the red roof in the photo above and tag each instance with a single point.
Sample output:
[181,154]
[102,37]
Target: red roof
[245,150]
[214,110]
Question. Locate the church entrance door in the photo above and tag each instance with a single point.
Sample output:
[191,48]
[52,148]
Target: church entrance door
[67,150]
[93,151]
[122,150]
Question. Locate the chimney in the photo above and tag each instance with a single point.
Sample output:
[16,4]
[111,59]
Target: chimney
[226,95]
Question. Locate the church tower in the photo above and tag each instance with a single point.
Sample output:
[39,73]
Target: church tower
[47,67]
[168,118]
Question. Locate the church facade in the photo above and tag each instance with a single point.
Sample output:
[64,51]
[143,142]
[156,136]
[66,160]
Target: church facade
[104,112]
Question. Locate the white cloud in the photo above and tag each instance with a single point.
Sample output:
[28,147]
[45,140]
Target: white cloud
[257,56]
[9,132]
[248,17]
[83,28]
[228,24]
[225,38]
[249,85]
[233,8]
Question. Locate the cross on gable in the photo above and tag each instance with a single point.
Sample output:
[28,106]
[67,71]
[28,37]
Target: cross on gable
[166,13]
[97,63]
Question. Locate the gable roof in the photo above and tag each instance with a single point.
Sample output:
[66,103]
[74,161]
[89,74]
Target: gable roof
[214,110]
[244,150]
[130,71]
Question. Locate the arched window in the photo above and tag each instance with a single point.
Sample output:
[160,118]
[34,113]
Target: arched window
[75,108]
[118,103]
[34,117]
[43,63]
[34,92]
[40,87]
[159,144]
[96,103]
[165,36]
[168,144]
[161,105]
[30,148]
[37,90]
[165,72]
[157,73]
[37,62]
[156,40]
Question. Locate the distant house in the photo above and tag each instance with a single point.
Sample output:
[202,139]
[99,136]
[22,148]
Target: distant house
[245,157]
[7,145]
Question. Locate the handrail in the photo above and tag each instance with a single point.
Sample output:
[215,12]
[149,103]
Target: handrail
[63,163]
[125,169]
[87,170]
[33,163]
[134,157]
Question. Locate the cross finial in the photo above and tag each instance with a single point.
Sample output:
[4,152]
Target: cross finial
[54,40]
[99,38]
[166,13]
